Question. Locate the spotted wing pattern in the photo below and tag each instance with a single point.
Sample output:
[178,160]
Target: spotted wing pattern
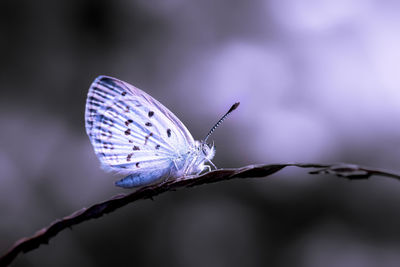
[130,131]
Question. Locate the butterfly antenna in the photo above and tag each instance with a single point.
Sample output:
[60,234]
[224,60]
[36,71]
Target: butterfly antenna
[234,106]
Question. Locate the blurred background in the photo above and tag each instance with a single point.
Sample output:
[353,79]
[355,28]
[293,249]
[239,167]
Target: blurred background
[318,81]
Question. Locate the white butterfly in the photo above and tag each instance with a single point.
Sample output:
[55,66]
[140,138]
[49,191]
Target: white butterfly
[134,134]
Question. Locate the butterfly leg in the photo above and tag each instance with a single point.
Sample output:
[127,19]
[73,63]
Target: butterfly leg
[208,167]
[187,168]
[203,168]
[215,167]
[176,166]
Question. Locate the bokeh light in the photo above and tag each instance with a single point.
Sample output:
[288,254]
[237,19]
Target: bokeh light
[317,80]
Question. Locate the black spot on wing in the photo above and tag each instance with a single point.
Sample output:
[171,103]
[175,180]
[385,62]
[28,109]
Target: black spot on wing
[157,146]
[148,124]
[169,132]
[106,81]
[106,133]
[147,138]
[106,120]
[111,84]
[151,113]
[128,132]
[128,158]
[108,145]
[128,122]
[137,165]
[136,148]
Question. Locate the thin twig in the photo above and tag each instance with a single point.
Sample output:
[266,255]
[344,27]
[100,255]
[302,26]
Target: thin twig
[349,171]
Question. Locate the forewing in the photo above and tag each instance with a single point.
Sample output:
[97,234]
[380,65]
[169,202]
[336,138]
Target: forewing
[130,130]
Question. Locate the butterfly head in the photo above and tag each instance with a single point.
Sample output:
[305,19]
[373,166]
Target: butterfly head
[207,150]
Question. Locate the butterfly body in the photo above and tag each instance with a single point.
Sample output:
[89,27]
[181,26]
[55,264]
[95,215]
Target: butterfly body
[190,163]
[134,134]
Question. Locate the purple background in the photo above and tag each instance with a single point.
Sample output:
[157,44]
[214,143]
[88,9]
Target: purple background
[318,81]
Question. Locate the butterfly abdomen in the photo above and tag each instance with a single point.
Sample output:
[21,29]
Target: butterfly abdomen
[144,178]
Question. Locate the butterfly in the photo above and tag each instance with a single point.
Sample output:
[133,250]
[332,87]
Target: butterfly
[135,135]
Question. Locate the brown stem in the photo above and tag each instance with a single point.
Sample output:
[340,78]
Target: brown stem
[349,171]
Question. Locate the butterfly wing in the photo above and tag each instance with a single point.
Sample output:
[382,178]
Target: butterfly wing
[130,131]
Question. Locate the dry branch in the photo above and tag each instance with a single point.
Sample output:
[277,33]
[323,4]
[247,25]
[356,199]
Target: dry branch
[349,171]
